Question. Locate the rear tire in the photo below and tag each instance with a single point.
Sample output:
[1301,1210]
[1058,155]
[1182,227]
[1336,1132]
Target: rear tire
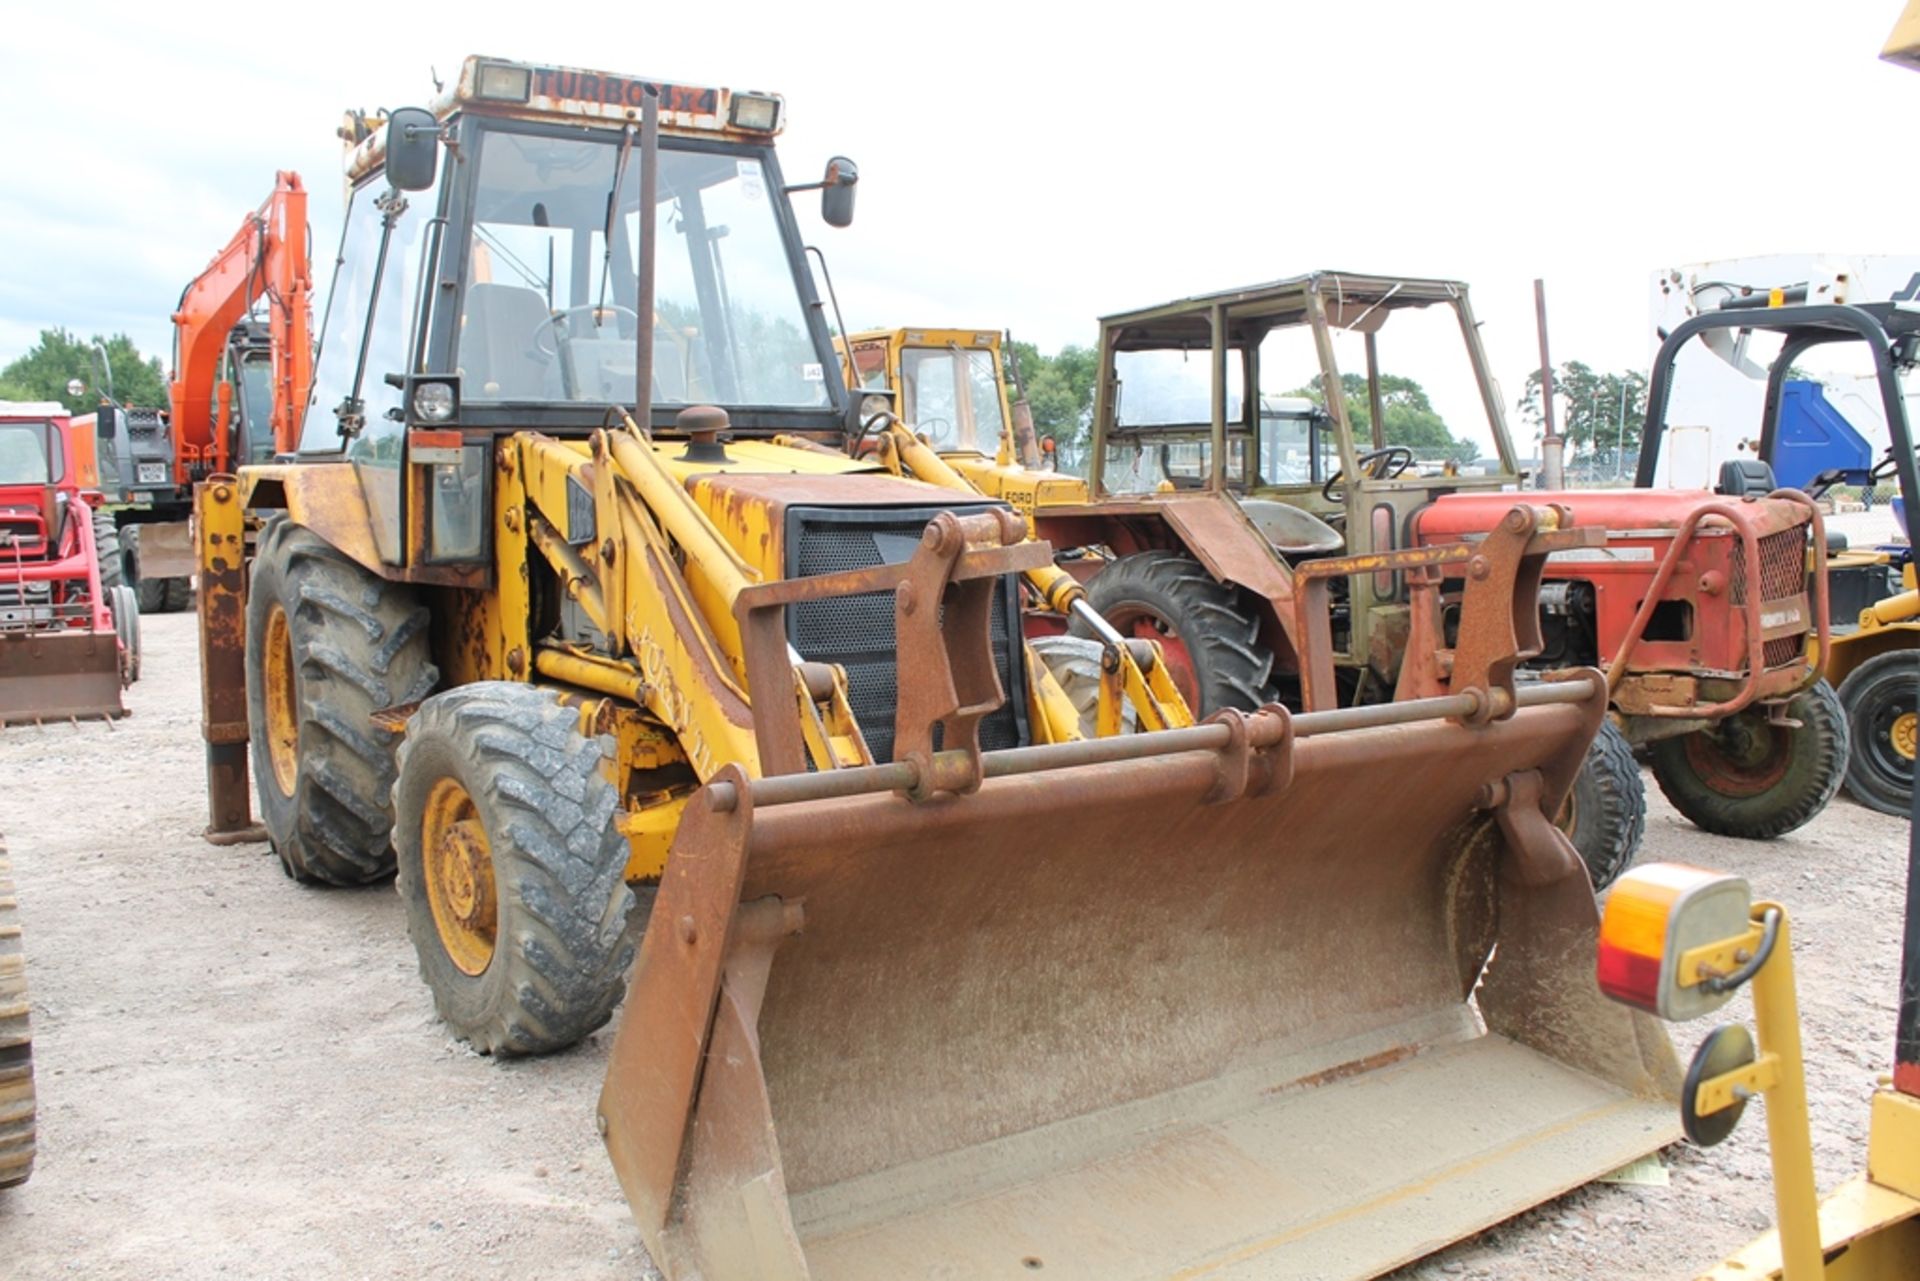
[328,644]
[1606,811]
[512,868]
[16,1042]
[106,546]
[1878,697]
[1745,777]
[1170,597]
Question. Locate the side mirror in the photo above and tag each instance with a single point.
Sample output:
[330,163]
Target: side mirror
[836,192]
[413,148]
[75,387]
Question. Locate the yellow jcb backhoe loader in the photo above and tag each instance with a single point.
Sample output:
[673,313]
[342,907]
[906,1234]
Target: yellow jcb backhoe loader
[931,984]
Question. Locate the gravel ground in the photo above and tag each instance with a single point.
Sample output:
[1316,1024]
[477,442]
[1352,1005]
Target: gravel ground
[242,1077]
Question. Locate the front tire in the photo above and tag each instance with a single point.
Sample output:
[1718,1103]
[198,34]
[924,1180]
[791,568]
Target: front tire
[512,868]
[1606,811]
[1210,638]
[328,644]
[1750,778]
[106,549]
[1878,697]
[124,608]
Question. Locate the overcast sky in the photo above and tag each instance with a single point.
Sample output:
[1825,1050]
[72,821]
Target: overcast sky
[1029,166]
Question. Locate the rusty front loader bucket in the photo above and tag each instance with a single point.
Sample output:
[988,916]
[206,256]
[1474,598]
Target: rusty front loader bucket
[1267,997]
[55,675]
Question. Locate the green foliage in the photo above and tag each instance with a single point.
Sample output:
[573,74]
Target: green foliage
[59,356]
[1409,417]
[1059,389]
[1589,405]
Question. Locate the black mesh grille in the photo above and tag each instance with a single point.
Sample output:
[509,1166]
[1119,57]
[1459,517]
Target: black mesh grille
[857,631]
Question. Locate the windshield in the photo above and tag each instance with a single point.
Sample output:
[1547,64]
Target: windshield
[256,393]
[23,454]
[952,396]
[549,304]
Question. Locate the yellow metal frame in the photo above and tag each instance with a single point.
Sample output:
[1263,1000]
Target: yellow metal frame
[1876,1216]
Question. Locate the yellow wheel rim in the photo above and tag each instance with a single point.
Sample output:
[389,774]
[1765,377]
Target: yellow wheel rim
[458,869]
[1905,733]
[283,704]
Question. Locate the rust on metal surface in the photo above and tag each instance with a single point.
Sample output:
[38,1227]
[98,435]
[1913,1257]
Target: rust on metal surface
[221,556]
[1759,678]
[980,1113]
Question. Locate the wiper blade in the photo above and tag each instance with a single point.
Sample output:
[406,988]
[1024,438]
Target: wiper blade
[613,209]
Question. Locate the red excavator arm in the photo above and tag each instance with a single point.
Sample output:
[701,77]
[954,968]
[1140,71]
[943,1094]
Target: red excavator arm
[267,258]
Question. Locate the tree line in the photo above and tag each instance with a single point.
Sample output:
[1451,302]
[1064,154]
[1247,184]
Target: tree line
[60,357]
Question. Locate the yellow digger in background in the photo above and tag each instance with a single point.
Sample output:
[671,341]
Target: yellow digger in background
[575,589]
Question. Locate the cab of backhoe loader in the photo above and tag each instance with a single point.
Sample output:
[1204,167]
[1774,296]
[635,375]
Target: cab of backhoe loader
[486,282]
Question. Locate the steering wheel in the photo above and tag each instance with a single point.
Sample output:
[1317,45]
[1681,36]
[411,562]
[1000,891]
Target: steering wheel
[1375,464]
[1885,468]
[553,319]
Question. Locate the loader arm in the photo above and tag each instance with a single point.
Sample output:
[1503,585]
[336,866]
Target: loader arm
[1270,996]
[1130,671]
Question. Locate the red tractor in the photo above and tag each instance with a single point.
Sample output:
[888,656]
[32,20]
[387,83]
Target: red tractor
[1248,509]
[69,628]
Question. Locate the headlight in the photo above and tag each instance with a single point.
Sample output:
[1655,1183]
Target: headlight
[433,402]
[756,112]
[871,405]
[503,82]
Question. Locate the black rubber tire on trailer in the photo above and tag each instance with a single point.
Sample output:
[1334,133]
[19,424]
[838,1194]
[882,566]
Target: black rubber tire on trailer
[1745,777]
[1178,600]
[1878,697]
[152,592]
[512,868]
[16,1041]
[346,644]
[106,545]
[1606,811]
[179,595]
[125,608]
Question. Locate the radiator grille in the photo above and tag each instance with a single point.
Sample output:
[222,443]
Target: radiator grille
[1783,566]
[1782,650]
[857,631]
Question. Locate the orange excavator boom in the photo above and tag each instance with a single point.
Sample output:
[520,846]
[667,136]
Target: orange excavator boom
[267,258]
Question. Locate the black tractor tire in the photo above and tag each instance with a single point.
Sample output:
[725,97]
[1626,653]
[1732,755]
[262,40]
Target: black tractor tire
[106,546]
[350,643]
[536,957]
[125,608]
[1880,704]
[178,595]
[1211,619]
[1745,777]
[152,592]
[16,1041]
[1606,811]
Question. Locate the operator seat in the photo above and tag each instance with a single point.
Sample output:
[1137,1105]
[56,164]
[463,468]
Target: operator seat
[1294,532]
[499,358]
[1744,477]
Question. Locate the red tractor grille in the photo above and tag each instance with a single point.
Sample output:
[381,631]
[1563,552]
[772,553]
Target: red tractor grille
[1783,567]
[1782,650]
